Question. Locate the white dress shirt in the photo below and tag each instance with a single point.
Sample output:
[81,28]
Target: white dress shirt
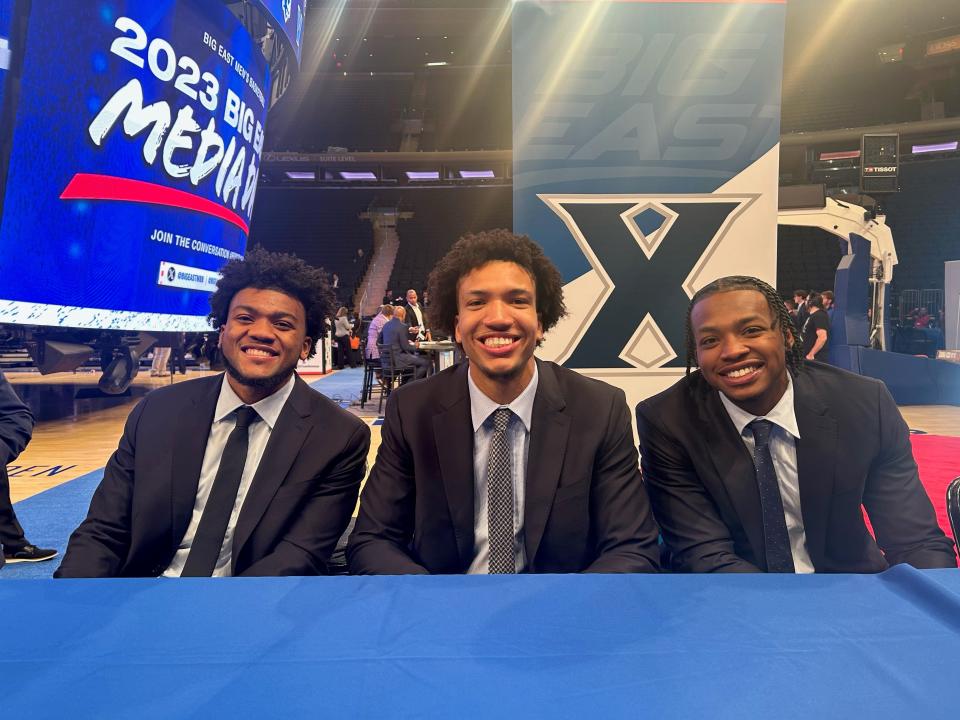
[783,450]
[417,320]
[224,420]
[518,439]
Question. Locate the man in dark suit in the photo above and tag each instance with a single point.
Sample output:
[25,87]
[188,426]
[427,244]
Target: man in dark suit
[761,461]
[16,428]
[416,317]
[396,333]
[247,473]
[505,464]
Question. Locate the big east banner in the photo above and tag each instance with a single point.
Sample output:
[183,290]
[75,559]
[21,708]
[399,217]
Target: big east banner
[645,163]
[134,165]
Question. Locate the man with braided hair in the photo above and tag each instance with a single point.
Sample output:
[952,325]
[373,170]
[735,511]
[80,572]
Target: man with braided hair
[245,473]
[760,461]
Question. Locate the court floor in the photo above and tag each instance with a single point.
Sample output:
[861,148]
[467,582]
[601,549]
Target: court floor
[78,429]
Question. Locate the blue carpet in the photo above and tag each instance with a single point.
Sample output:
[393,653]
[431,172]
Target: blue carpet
[342,386]
[49,518]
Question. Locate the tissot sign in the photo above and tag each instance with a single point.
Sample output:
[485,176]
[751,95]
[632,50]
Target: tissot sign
[645,163]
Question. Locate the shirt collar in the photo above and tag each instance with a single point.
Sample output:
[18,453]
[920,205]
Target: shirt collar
[782,415]
[482,407]
[268,409]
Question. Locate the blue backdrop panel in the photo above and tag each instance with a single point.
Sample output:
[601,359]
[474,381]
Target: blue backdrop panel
[850,324]
[621,104]
[645,164]
[137,142]
[911,379]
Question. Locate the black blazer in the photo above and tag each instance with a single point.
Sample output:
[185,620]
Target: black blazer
[298,505]
[854,448]
[397,333]
[586,508]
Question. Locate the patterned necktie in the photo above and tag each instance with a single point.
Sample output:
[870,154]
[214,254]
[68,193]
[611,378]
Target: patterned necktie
[779,555]
[500,497]
[206,545]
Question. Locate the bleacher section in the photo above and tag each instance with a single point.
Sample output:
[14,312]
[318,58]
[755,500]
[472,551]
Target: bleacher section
[462,109]
[847,100]
[358,111]
[440,217]
[925,223]
[806,258]
[468,110]
[322,227]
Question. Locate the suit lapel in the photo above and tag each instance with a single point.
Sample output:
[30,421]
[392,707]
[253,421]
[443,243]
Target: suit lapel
[549,431]
[453,434]
[286,439]
[193,431]
[734,466]
[816,457]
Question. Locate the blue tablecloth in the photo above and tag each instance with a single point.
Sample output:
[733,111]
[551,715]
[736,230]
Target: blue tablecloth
[751,646]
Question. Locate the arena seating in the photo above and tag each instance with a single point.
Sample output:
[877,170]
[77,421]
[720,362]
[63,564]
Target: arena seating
[440,217]
[924,221]
[322,227]
[806,258]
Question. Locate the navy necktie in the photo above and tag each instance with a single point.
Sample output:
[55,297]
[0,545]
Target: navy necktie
[206,545]
[500,532]
[777,540]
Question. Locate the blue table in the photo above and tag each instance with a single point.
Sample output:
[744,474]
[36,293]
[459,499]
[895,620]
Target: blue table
[664,646]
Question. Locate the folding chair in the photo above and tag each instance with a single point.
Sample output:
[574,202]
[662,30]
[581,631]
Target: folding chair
[390,373]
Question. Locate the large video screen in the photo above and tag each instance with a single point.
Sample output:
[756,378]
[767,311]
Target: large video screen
[288,18]
[134,163]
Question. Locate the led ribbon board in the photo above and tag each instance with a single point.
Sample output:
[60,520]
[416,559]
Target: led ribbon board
[6,14]
[645,163]
[134,164]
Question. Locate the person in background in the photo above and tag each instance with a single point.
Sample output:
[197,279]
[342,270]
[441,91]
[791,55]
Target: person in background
[800,298]
[396,332]
[827,296]
[373,331]
[161,359]
[816,330]
[416,318]
[16,428]
[342,330]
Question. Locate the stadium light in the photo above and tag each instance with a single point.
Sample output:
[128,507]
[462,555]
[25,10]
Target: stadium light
[938,147]
[423,175]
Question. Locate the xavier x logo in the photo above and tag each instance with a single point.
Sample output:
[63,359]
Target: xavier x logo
[648,252]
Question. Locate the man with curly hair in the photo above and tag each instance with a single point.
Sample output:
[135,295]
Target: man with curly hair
[761,462]
[245,473]
[506,463]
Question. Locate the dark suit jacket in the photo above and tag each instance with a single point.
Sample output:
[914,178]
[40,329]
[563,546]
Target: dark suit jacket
[16,423]
[586,508]
[412,317]
[397,333]
[299,502]
[16,427]
[854,448]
